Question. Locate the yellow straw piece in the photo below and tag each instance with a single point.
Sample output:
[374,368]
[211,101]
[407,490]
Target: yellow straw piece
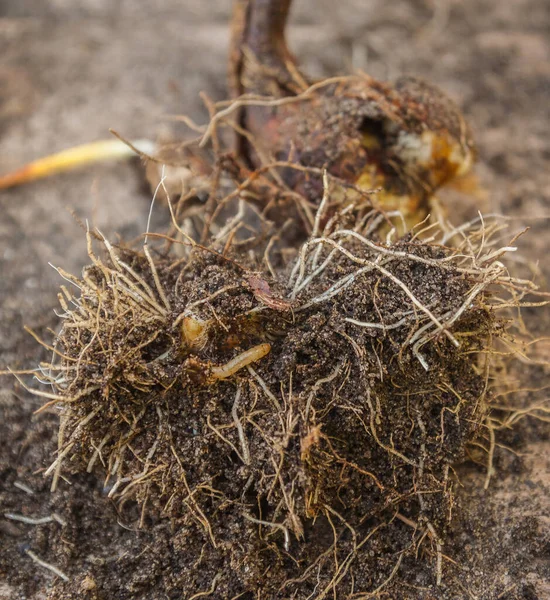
[70,159]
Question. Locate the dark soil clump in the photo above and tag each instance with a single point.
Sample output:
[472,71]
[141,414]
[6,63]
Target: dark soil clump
[299,428]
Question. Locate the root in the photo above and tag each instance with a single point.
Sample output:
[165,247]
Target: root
[279,526]
[73,158]
[212,589]
[240,430]
[385,583]
[35,520]
[46,565]
[329,387]
[379,442]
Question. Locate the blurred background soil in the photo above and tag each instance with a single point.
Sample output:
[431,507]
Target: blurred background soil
[72,69]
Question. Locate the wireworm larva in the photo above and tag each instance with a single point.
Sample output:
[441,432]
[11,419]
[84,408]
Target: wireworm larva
[240,361]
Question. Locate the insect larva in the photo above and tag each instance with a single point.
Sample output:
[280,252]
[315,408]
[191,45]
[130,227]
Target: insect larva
[239,362]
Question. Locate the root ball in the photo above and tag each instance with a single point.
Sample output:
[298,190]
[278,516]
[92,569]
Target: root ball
[302,427]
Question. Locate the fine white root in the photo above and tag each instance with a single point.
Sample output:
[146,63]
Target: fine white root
[269,524]
[35,520]
[490,455]
[46,565]
[24,488]
[240,430]
[210,591]
[378,441]
[382,326]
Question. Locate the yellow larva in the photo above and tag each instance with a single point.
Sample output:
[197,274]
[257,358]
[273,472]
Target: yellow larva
[239,362]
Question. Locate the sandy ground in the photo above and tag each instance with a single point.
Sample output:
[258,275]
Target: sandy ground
[72,69]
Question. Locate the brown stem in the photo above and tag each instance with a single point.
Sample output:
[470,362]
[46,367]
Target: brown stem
[266,32]
[259,59]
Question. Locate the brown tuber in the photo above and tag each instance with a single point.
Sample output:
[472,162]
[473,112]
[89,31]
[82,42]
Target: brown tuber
[406,140]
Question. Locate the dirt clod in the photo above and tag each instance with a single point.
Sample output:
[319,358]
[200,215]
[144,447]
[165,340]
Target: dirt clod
[300,429]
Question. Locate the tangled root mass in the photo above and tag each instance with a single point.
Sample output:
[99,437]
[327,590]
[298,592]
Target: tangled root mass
[299,419]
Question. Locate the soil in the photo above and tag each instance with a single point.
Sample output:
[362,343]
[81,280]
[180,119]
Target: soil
[71,71]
